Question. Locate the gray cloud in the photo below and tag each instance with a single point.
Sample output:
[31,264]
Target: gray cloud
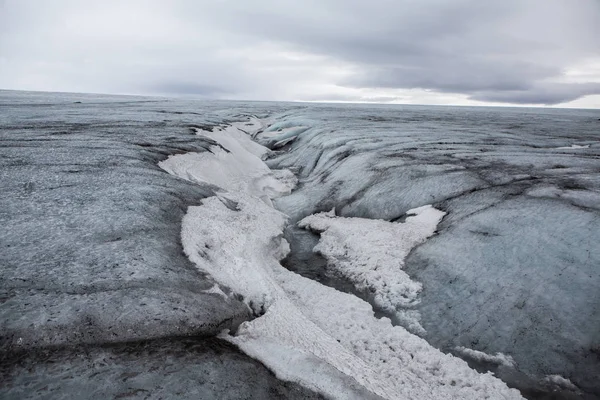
[492,51]
[549,94]
[509,51]
[186,88]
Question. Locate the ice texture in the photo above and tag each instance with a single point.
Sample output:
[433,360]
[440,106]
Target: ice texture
[574,146]
[326,340]
[529,264]
[561,382]
[514,266]
[97,299]
[183,368]
[94,279]
[90,248]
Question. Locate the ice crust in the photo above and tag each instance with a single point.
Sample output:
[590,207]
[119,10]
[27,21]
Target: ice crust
[324,339]
[370,254]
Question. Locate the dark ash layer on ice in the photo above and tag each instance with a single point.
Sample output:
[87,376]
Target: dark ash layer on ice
[91,254]
[515,265]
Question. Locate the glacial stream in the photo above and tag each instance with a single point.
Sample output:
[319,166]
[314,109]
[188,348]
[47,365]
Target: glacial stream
[358,219]
[338,345]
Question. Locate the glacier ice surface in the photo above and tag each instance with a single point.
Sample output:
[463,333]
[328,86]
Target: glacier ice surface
[97,299]
[92,226]
[513,268]
[306,332]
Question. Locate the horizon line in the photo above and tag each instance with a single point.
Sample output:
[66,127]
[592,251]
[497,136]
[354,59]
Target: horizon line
[358,102]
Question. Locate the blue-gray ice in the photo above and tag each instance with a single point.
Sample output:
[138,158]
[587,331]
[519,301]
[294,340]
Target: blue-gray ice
[515,266]
[97,299]
[93,276]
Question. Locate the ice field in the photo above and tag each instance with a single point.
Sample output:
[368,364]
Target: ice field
[285,250]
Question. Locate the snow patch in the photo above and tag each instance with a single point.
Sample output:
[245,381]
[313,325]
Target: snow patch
[371,253]
[234,165]
[498,359]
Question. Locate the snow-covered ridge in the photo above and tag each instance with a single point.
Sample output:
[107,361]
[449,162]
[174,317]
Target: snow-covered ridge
[324,339]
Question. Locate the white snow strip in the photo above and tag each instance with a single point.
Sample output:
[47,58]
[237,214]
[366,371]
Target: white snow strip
[574,146]
[305,332]
[560,381]
[498,359]
[239,168]
[370,254]
[236,138]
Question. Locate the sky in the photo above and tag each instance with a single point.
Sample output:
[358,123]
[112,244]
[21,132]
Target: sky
[463,52]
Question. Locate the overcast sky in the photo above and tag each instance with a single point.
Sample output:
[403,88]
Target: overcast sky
[530,52]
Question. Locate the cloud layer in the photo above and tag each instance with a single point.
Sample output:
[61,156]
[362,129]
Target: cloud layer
[510,51]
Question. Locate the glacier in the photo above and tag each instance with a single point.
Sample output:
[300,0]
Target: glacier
[329,251]
[306,332]
[513,266]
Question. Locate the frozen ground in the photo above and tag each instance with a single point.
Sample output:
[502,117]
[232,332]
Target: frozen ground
[94,277]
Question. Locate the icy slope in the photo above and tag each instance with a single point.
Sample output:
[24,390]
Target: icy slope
[514,268]
[306,332]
